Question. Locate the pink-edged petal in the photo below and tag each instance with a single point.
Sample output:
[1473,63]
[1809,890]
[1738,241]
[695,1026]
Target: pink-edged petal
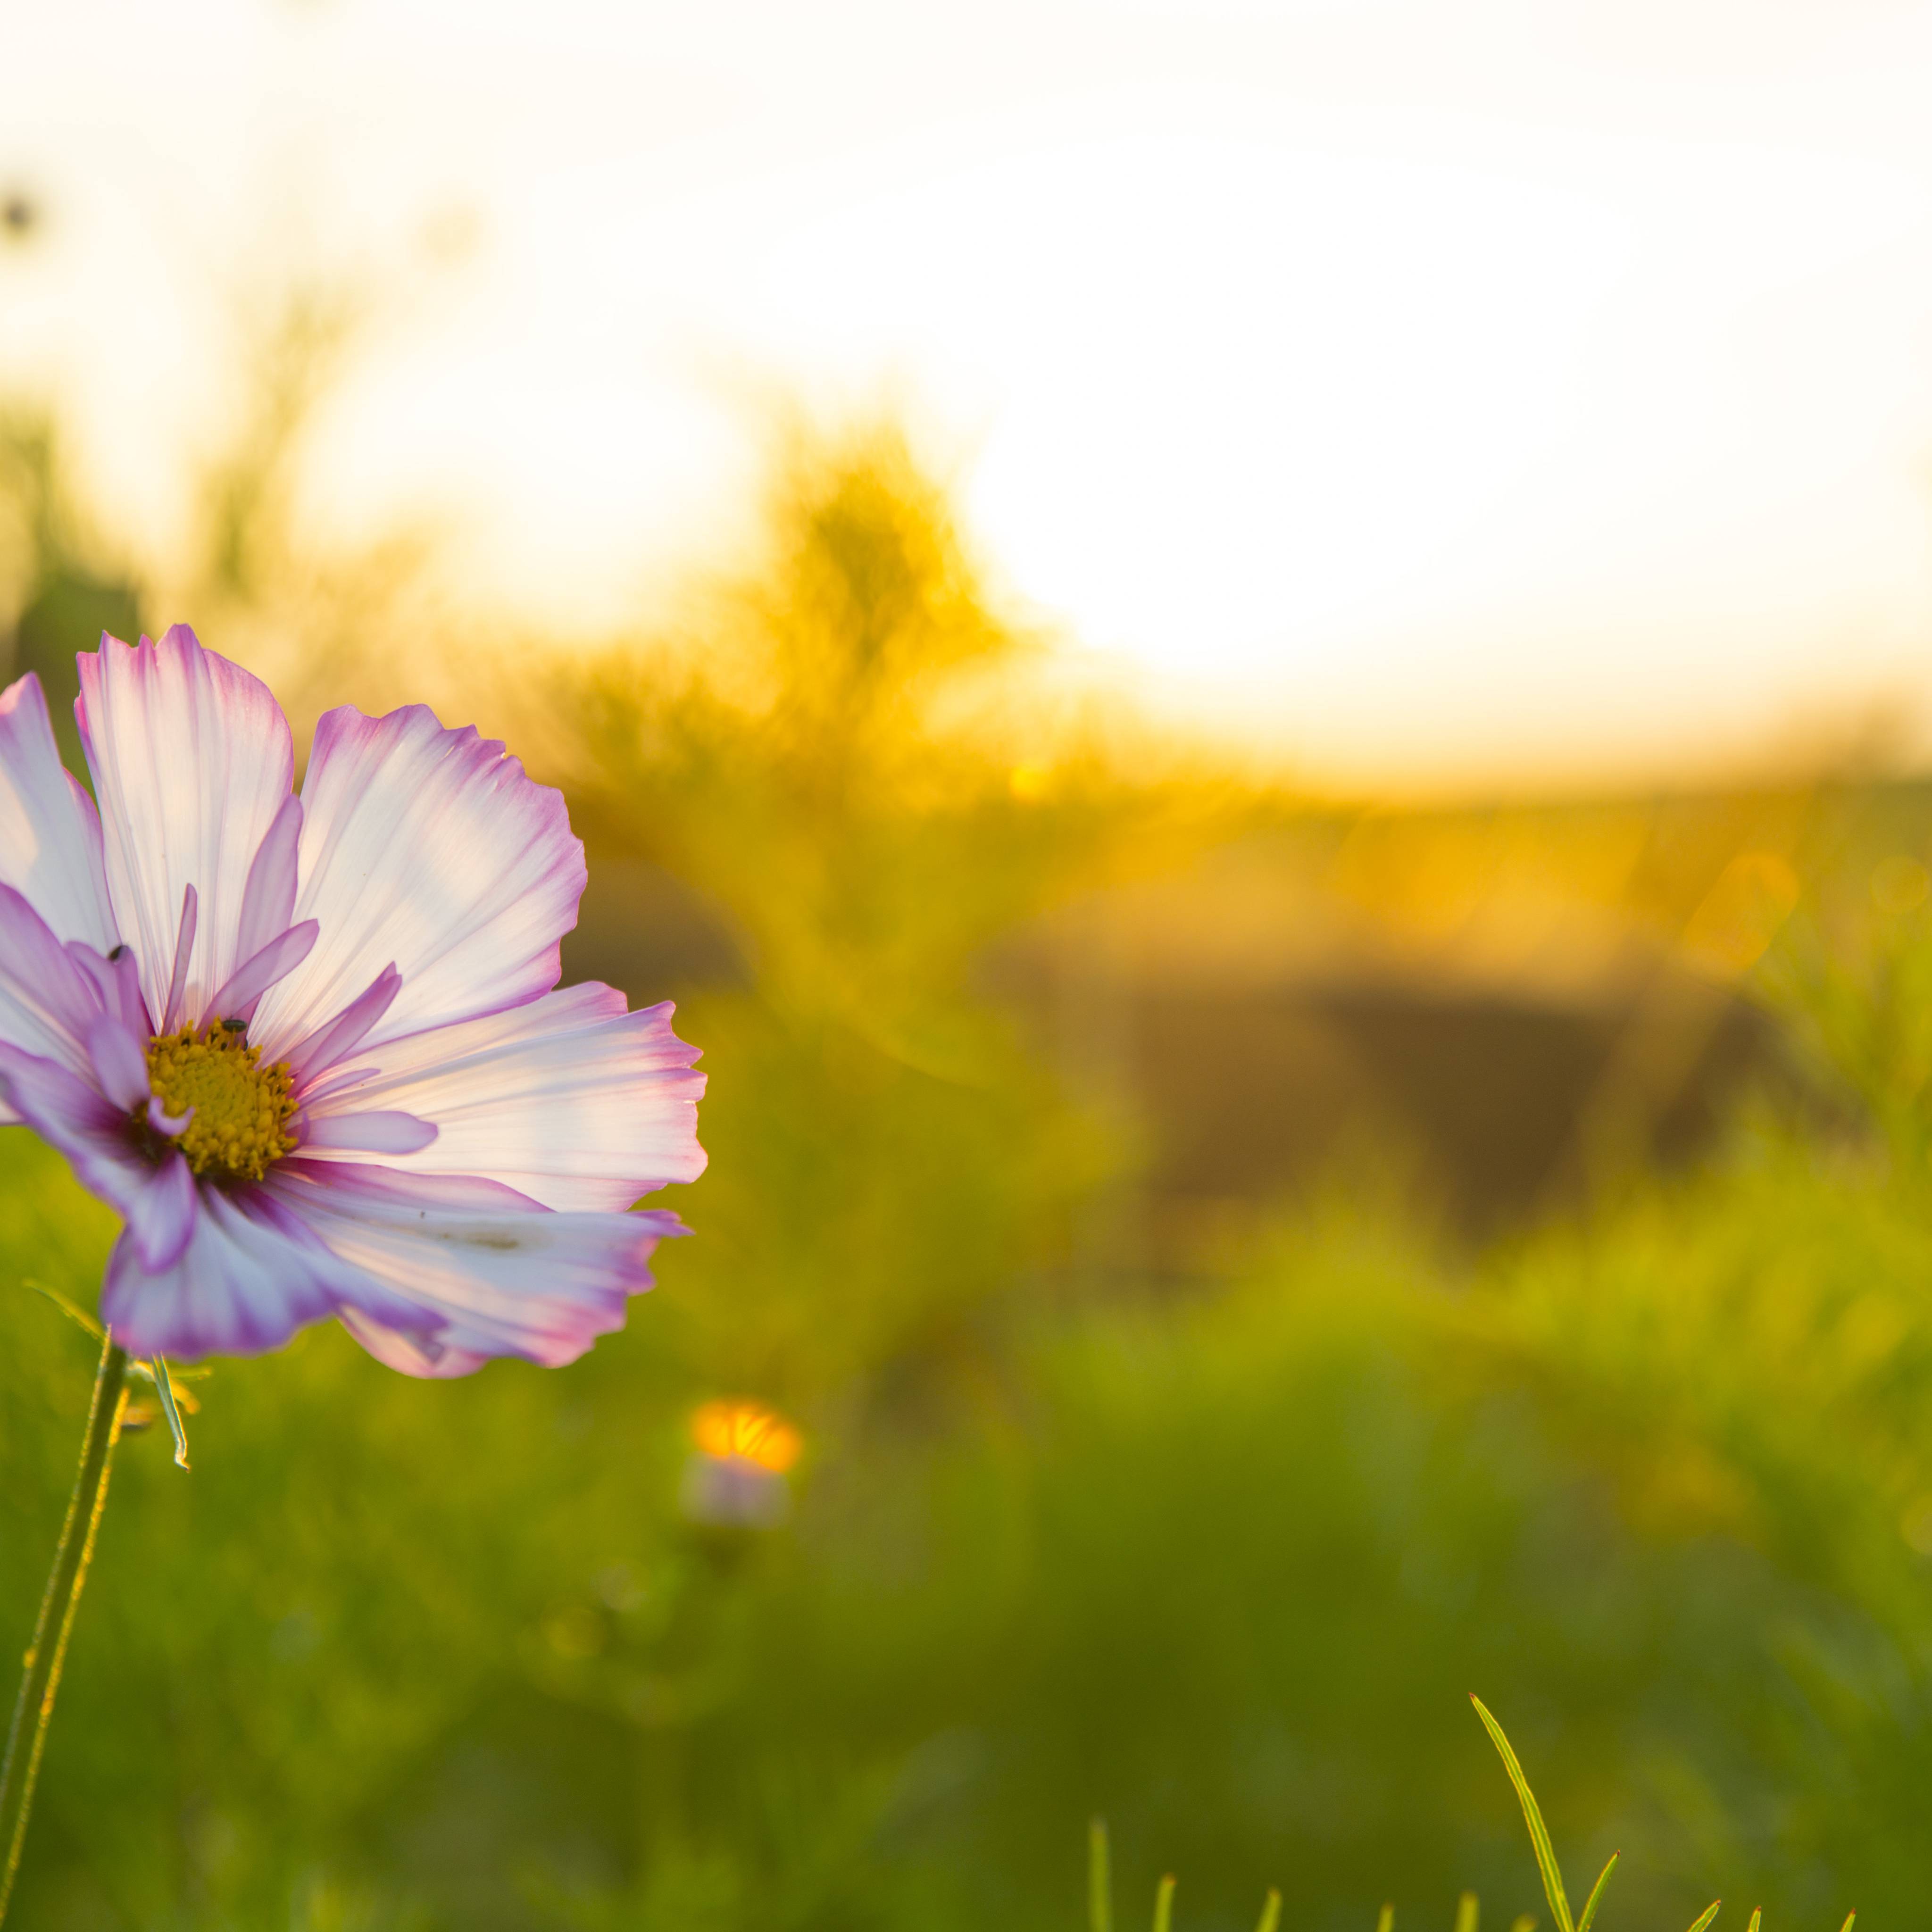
[192,761]
[489,1272]
[70,1114]
[171,1009]
[341,1035]
[49,997]
[248,1276]
[120,1062]
[426,1355]
[269,899]
[49,833]
[160,1215]
[333,1086]
[569,1099]
[379,1132]
[431,848]
[255,976]
[163,1123]
[117,979]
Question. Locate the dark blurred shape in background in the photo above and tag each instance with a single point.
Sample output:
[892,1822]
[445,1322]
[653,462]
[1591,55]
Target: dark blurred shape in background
[63,589]
[19,214]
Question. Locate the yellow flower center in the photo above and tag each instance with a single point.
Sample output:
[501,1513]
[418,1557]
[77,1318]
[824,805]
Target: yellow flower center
[241,1108]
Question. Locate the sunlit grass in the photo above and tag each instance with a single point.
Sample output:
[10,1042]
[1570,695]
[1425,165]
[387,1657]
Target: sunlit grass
[1100,1884]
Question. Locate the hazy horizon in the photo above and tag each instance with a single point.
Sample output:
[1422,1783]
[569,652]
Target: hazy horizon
[1429,398]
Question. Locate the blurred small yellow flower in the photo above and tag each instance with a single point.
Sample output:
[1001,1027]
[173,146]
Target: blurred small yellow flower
[735,1475]
[749,1431]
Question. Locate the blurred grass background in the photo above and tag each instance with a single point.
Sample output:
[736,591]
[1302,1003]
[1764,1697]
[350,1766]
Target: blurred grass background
[1245,1269]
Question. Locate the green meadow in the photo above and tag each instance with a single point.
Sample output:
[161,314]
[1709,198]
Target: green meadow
[1214,1355]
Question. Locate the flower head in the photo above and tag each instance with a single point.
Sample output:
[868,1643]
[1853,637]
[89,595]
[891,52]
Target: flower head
[311,1046]
[736,1475]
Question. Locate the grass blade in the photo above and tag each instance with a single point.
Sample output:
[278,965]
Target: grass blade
[1100,1881]
[1597,1893]
[1467,1912]
[1270,1912]
[165,1388]
[1757,1914]
[1539,1838]
[70,1310]
[1163,1906]
[1386,1923]
[1710,1913]
[1847,1926]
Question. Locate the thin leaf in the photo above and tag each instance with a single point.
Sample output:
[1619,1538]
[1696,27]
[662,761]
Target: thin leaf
[1386,1923]
[1163,1906]
[1847,1926]
[1597,1893]
[1757,1914]
[180,1376]
[72,1310]
[1100,1882]
[1467,1913]
[1710,1913]
[164,1388]
[1270,1913]
[1539,1838]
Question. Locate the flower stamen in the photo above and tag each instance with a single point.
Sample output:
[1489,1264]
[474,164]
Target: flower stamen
[240,1108]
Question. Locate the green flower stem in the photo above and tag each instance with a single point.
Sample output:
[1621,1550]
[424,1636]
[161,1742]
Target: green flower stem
[28,1735]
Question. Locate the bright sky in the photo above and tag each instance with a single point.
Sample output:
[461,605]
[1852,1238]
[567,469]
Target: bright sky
[1432,391]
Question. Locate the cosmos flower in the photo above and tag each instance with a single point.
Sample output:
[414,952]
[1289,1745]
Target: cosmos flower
[311,1047]
[735,1475]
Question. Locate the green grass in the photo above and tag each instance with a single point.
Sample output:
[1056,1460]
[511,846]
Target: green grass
[1100,1882]
[407,1655]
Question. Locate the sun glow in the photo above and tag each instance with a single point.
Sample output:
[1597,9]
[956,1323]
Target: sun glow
[1524,396]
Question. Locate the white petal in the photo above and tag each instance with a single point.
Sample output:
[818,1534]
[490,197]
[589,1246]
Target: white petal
[49,833]
[427,1355]
[71,1113]
[488,1272]
[161,1215]
[569,1099]
[430,849]
[117,979]
[269,896]
[249,1275]
[48,998]
[191,761]
[260,971]
[376,1133]
[120,1062]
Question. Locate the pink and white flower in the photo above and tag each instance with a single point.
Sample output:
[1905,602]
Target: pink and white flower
[310,1046]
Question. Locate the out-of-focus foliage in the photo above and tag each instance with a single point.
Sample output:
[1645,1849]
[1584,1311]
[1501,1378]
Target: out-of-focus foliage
[319,617]
[1220,1559]
[822,758]
[1662,1485]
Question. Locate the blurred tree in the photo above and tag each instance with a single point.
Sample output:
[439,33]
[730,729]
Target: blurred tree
[66,593]
[823,755]
[19,215]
